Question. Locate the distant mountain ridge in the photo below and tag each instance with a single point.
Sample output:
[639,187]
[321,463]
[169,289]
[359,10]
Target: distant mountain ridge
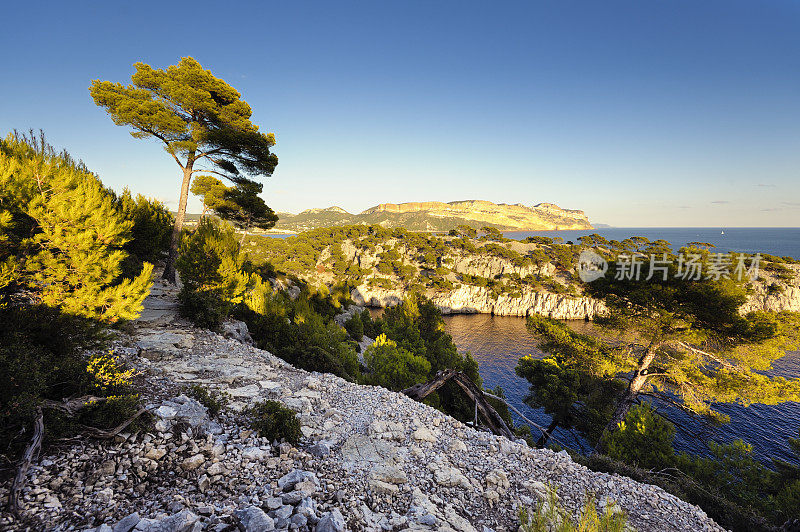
[439,216]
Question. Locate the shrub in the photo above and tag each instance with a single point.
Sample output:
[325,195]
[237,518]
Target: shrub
[643,439]
[293,331]
[152,226]
[551,516]
[68,234]
[204,309]
[392,367]
[214,278]
[355,327]
[372,328]
[213,400]
[276,422]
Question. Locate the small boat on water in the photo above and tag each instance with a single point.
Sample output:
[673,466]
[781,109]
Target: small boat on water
[722,233]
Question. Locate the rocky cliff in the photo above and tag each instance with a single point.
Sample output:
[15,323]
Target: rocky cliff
[470,299]
[369,459]
[475,299]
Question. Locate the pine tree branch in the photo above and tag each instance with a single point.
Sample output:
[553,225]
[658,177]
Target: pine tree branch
[72,406]
[712,356]
[543,430]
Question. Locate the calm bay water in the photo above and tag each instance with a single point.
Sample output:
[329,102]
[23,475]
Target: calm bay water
[497,343]
[780,241]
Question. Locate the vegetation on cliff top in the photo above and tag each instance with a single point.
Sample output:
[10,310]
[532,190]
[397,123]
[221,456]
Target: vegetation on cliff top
[436,263]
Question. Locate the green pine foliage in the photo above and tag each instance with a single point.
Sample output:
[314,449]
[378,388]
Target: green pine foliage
[213,274]
[202,121]
[242,206]
[63,281]
[152,226]
[355,327]
[68,234]
[393,367]
[644,439]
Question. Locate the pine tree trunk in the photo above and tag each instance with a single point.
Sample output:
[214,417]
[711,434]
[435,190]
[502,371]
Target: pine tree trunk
[546,435]
[169,267]
[631,393]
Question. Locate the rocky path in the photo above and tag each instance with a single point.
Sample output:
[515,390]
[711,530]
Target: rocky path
[370,459]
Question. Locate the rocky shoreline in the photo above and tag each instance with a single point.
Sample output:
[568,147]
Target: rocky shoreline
[468,299]
[370,459]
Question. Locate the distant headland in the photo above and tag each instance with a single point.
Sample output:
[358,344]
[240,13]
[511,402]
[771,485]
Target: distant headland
[439,216]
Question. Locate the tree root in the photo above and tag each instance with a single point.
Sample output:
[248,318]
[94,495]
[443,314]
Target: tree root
[30,451]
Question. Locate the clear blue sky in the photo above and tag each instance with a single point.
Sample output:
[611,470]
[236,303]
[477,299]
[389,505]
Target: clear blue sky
[640,113]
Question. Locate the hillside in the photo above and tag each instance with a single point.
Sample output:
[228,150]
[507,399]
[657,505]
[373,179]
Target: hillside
[438,216]
[463,275]
[369,458]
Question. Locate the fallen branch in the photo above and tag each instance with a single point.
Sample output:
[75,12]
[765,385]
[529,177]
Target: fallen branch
[490,415]
[30,451]
[107,434]
[73,406]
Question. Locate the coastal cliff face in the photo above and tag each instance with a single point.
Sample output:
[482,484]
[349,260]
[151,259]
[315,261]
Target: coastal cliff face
[782,296]
[479,300]
[538,217]
[470,299]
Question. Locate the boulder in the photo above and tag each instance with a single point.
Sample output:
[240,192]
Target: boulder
[253,519]
[331,522]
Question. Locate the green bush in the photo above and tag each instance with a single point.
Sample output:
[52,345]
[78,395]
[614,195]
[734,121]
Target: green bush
[152,226]
[204,309]
[213,400]
[355,327]
[372,328]
[214,277]
[392,367]
[293,331]
[276,422]
[643,439]
[41,357]
[550,516]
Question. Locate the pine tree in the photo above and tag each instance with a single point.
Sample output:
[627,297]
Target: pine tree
[71,234]
[672,337]
[202,122]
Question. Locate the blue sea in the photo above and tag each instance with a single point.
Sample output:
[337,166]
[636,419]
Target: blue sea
[497,343]
[780,241]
